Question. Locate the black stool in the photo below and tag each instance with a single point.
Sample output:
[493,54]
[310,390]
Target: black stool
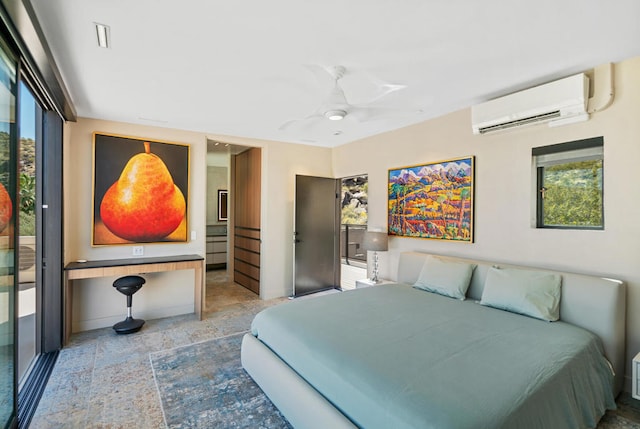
[128,285]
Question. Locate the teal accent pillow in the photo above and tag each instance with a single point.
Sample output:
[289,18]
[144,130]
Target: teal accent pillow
[446,278]
[532,293]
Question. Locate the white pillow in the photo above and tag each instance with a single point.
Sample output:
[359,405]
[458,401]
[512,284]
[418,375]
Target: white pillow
[532,293]
[446,278]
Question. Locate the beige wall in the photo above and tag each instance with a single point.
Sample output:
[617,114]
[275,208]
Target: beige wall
[96,303]
[284,162]
[503,191]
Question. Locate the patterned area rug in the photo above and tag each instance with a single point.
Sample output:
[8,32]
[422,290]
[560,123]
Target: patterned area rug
[203,385]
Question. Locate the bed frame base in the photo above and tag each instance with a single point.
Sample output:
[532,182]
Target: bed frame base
[300,403]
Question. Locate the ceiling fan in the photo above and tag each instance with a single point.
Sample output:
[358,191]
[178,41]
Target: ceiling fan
[335,107]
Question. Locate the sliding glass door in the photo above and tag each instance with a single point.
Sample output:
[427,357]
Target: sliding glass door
[8,258]
[29,282]
[31,275]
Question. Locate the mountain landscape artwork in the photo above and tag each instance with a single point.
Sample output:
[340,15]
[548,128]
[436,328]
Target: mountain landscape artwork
[432,200]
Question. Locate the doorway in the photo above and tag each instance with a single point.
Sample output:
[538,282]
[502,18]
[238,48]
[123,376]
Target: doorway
[317,235]
[330,220]
[222,289]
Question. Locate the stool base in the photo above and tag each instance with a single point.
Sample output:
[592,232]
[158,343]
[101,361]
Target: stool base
[128,326]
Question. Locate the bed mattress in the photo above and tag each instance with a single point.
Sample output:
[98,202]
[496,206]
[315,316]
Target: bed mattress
[394,356]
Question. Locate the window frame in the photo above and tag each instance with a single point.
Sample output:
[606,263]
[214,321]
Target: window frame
[568,152]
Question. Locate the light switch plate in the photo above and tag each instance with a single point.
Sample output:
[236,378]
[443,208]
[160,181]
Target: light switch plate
[193,235]
[138,250]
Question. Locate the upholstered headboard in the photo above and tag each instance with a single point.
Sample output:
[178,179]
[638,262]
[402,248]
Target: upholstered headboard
[593,303]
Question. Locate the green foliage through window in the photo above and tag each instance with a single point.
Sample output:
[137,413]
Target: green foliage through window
[570,185]
[573,194]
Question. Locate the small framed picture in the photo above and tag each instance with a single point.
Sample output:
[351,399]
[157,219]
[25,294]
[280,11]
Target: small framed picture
[223,195]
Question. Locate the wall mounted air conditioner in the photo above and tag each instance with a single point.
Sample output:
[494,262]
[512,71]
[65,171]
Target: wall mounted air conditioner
[560,102]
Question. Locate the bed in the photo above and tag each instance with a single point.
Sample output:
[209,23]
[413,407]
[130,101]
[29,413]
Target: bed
[401,356]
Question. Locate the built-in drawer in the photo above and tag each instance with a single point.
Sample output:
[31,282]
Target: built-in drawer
[216,247]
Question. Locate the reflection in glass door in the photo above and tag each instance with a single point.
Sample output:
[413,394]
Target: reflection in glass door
[28,282]
[8,66]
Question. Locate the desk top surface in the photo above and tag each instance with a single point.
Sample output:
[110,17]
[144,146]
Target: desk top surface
[131,261]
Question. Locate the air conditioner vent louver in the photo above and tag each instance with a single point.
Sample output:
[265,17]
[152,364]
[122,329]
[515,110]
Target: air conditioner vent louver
[558,102]
[520,122]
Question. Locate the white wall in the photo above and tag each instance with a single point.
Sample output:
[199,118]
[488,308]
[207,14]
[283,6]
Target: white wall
[503,201]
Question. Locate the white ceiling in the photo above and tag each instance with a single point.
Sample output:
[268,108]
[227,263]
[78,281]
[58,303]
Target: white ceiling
[240,68]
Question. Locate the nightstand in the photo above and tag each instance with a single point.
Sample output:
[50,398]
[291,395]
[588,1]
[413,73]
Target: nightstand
[367,283]
[635,377]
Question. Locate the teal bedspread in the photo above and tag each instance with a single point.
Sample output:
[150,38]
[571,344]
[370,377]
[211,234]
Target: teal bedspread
[392,356]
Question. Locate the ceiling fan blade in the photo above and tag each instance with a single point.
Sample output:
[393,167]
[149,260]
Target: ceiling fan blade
[322,74]
[365,113]
[299,123]
[386,89]
[336,98]
[330,76]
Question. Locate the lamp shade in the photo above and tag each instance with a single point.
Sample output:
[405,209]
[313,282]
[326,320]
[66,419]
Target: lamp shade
[375,241]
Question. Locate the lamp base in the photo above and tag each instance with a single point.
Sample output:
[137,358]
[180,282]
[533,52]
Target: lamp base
[374,275]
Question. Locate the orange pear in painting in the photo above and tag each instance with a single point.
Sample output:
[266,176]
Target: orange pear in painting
[144,204]
[6,208]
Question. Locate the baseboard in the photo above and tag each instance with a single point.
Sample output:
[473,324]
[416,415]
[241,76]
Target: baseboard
[104,322]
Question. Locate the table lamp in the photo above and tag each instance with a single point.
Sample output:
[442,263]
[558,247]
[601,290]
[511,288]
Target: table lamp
[376,242]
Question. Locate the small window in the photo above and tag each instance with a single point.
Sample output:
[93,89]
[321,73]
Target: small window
[569,185]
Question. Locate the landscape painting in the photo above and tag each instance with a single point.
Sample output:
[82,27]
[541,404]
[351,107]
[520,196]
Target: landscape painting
[433,201]
[140,190]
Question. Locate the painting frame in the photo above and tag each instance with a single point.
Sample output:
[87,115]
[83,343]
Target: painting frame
[113,222]
[223,205]
[433,200]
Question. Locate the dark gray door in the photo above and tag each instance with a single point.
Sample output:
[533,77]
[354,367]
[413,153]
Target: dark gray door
[50,262]
[316,235]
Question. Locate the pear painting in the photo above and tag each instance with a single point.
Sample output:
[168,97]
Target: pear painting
[144,204]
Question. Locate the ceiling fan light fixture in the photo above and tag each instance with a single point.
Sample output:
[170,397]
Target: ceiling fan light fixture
[335,115]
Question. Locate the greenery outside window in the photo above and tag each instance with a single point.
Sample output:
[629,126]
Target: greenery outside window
[570,185]
[353,218]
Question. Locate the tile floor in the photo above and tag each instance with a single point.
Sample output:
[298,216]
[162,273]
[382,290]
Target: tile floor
[103,380]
